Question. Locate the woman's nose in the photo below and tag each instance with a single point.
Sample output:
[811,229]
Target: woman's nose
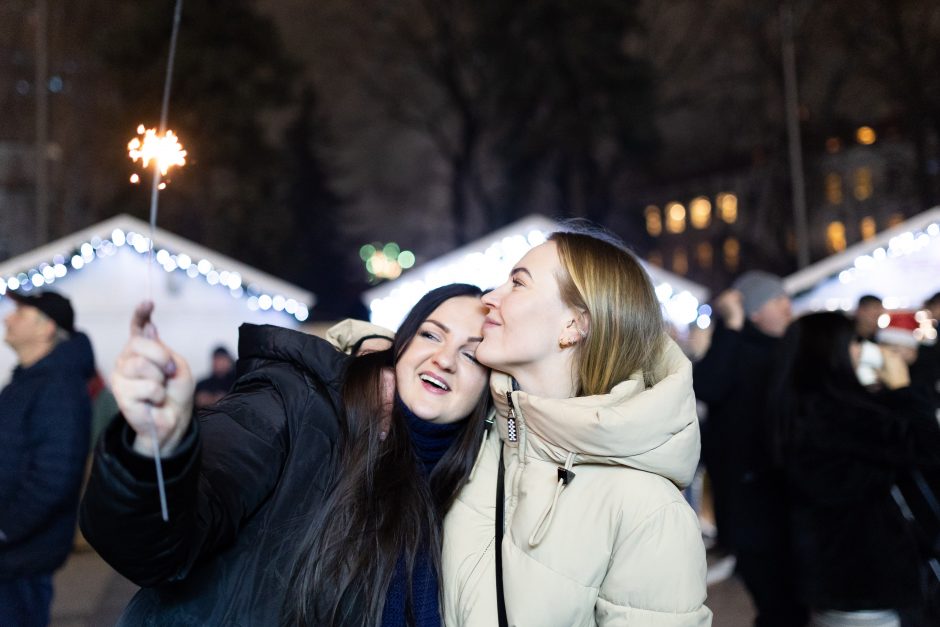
[445,358]
[492,298]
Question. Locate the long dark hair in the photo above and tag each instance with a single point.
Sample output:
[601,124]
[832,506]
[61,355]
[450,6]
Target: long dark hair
[813,369]
[381,509]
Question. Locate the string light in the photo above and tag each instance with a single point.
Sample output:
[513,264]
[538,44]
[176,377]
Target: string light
[47,273]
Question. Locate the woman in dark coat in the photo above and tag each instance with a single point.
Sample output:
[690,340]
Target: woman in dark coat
[301,497]
[842,448]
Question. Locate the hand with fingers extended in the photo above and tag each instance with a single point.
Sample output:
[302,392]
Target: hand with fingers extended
[153,387]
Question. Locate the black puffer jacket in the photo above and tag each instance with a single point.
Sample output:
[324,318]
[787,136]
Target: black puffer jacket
[241,488]
[853,548]
[45,425]
[732,380]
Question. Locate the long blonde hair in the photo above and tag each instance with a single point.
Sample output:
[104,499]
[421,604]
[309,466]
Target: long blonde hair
[607,282]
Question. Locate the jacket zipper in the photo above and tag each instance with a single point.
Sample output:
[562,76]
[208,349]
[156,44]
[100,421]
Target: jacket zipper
[512,434]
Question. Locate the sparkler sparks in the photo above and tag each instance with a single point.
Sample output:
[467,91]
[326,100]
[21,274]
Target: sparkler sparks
[150,148]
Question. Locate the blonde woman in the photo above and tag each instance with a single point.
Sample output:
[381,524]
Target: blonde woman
[596,432]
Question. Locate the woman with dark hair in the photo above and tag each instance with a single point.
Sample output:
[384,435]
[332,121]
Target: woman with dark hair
[573,514]
[842,448]
[300,497]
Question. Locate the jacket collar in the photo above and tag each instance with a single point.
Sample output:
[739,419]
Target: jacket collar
[652,429]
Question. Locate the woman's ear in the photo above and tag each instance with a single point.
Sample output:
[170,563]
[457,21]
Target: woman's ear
[583,322]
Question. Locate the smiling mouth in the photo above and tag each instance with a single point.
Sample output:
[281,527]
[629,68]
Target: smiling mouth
[434,381]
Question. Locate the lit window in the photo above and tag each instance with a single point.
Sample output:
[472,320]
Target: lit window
[863,184]
[732,253]
[704,254]
[700,212]
[675,217]
[895,219]
[865,135]
[835,237]
[727,207]
[655,258]
[654,221]
[834,188]
[680,261]
[868,227]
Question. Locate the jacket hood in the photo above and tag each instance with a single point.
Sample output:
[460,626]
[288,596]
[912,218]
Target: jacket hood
[651,429]
[308,352]
[73,355]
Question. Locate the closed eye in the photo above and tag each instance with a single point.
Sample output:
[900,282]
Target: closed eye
[429,336]
[471,357]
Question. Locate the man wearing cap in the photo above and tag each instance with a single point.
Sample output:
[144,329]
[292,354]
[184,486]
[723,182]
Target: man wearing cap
[732,379]
[45,418]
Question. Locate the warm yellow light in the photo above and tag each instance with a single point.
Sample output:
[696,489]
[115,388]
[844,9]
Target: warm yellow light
[895,219]
[865,135]
[654,221]
[834,188]
[165,151]
[135,178]
[675,217]
[700,212]
[868,227]
[655,258]
[704,254]
[732,253]
[863,184]
[727,207]
[835,237]
[680,261]
[833,145]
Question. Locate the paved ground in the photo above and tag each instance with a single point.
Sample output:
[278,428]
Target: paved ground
[89,594]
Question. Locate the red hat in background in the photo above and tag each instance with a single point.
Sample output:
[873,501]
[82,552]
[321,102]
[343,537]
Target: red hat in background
[900,330]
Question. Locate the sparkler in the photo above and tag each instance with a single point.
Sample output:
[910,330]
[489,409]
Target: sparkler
[162,149]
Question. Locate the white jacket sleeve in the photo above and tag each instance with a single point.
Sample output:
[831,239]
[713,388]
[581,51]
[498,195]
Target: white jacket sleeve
[657,573]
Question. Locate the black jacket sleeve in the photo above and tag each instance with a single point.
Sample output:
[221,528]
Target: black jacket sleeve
[219,475]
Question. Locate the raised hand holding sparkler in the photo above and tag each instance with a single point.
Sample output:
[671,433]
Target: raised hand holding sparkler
[163,149]
[154,388]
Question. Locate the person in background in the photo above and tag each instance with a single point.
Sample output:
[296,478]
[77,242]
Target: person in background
[842,449]
[103,405]
[730,379]
[219,382]
[926,369]
[45,416]
[867,312]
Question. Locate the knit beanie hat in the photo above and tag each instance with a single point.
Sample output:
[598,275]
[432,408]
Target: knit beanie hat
[757,288]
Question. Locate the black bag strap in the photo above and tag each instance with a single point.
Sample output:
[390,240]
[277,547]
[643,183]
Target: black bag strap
[500,498]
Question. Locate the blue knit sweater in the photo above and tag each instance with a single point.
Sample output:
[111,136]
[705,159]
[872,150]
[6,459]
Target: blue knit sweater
[430,442]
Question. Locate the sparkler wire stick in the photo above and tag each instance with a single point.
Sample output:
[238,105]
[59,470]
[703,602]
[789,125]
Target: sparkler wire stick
[154,194]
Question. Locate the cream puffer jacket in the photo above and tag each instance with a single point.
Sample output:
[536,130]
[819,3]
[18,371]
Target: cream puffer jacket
[618,545]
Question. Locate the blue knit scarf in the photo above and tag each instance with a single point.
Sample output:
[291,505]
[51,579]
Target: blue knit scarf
[430,442]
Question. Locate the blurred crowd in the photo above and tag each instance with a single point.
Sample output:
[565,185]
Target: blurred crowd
[821,456]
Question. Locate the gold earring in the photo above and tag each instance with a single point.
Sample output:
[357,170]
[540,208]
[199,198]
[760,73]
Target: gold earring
[565,343]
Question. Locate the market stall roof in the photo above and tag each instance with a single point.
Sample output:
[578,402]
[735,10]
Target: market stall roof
[487,261]
[201,296]
[901,265]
